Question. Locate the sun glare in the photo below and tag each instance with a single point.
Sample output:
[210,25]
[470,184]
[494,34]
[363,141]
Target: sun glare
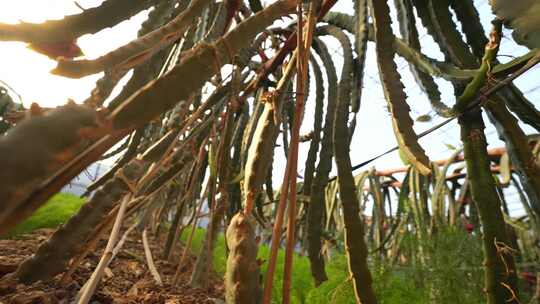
[28,72]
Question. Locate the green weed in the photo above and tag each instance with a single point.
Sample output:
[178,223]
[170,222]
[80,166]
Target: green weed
[51,215]
[452,273]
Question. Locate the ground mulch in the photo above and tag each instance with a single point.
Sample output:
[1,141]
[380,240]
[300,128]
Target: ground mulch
[127,280]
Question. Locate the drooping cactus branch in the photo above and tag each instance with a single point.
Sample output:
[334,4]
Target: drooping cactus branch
[426,64]
[136,52]
[356,248]
[194,70]
[315,213]
[204,153]
[136,111]
[92,20]
[393,89]
[286,49]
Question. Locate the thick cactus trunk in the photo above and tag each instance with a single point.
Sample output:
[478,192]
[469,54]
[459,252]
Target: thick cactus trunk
[242,279]
[35,149]
[203,265]
[53,256]
[500,269]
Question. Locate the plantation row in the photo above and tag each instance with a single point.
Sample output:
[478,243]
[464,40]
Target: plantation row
[219,90]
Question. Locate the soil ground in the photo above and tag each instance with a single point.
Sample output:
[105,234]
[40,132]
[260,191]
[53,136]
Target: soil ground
[127,280]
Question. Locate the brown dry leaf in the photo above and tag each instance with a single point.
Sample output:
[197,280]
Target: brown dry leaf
[108,272]
[35,296]
[134,267]
[133,291]
[130,283]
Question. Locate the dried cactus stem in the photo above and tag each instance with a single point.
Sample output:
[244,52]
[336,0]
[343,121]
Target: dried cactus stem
[88,289]
[150,259]
[242,278]
[260,150]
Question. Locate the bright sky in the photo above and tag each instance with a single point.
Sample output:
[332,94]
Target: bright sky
[28,73]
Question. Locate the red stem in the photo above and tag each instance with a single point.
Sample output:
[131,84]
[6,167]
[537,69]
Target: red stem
[287,48]
[291,221]
[276,233]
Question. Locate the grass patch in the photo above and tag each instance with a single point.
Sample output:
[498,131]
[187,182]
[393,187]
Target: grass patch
[439,282]
[338,289]
[302,280]
[451,276]
[51,215]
